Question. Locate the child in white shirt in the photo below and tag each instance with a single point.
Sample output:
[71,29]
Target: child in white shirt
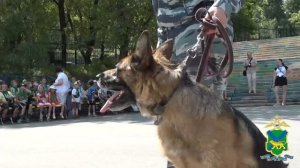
[76,98]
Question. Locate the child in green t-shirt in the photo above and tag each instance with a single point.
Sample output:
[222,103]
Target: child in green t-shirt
[14,87]
[22,100]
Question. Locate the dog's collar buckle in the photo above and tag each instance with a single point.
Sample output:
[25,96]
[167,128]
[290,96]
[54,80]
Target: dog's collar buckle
[158,120]
[159,109]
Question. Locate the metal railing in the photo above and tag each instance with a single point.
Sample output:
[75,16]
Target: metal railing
[265,33]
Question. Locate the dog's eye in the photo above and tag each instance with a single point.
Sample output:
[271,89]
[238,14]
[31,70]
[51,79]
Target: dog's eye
[135,60]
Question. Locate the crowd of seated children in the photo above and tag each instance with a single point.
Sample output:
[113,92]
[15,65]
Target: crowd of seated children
[18,101]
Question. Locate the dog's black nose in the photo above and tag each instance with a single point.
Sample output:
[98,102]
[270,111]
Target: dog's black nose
[101,75]
[100,79]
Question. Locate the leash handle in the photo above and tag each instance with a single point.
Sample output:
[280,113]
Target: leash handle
[205,44]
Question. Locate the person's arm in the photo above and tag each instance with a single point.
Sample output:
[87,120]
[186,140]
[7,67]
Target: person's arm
[222,9]
[155,6]
[46,95]
[59,82]
[49,97]
[2,99]
[285,74]
[73,93]
[27,90]
[227,7]
[38,97]
[10,95]
[96,94]
[274,77]
[246,63]
[11,89]
[253,62]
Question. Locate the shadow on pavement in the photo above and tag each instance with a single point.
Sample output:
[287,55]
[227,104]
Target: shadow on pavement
[259,115]
[263,115]
[128,118]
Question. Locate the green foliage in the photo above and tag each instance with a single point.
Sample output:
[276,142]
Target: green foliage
[116,23]
[29,29]
[87,72]
[291,6]
[273,9]
[128,20]
[295,18]
[292,9]
[265,19]
[24,35]
[245,22]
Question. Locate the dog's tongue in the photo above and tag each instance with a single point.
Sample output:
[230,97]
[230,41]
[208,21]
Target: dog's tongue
[109,102]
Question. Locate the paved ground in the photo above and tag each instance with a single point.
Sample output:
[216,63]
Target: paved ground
[121,141]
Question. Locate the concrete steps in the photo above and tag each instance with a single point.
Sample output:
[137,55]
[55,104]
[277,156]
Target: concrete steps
[268,49]
[266,52]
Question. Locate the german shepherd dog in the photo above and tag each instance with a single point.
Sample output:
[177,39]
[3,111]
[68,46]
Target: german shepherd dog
[196,128]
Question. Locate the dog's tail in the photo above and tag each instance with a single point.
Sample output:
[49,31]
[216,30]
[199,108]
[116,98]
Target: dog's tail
[259,143]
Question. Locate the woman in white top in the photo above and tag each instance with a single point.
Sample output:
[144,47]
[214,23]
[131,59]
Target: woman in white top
[62,87]
[280,80]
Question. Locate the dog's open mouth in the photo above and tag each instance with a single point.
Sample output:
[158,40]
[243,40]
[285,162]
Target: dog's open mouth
[116,96]
[120,100]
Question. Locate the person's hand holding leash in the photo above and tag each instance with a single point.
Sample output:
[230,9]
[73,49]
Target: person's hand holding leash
[218,13]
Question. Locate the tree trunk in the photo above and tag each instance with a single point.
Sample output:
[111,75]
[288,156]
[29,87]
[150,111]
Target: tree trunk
[93,33]
[124,47]
[87,55]
[63,35]
[102,51]
[90,44]
[63,48]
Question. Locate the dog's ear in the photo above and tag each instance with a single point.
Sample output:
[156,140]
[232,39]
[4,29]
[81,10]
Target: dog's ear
[142,57]
[166,48]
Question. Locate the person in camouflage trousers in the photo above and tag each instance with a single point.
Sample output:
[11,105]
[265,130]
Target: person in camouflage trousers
[175,19]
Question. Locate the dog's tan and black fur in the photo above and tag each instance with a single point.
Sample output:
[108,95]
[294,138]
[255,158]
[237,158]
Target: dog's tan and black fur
[198,129]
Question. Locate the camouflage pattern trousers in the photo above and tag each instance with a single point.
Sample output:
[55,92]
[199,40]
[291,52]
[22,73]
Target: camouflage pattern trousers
[185,37]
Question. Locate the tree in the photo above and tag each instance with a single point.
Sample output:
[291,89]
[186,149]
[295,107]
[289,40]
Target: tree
[24,31]
[292,9]
[273,9]
[83,17]
[62,26]
[245,22]
[295,18]
[291,6]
